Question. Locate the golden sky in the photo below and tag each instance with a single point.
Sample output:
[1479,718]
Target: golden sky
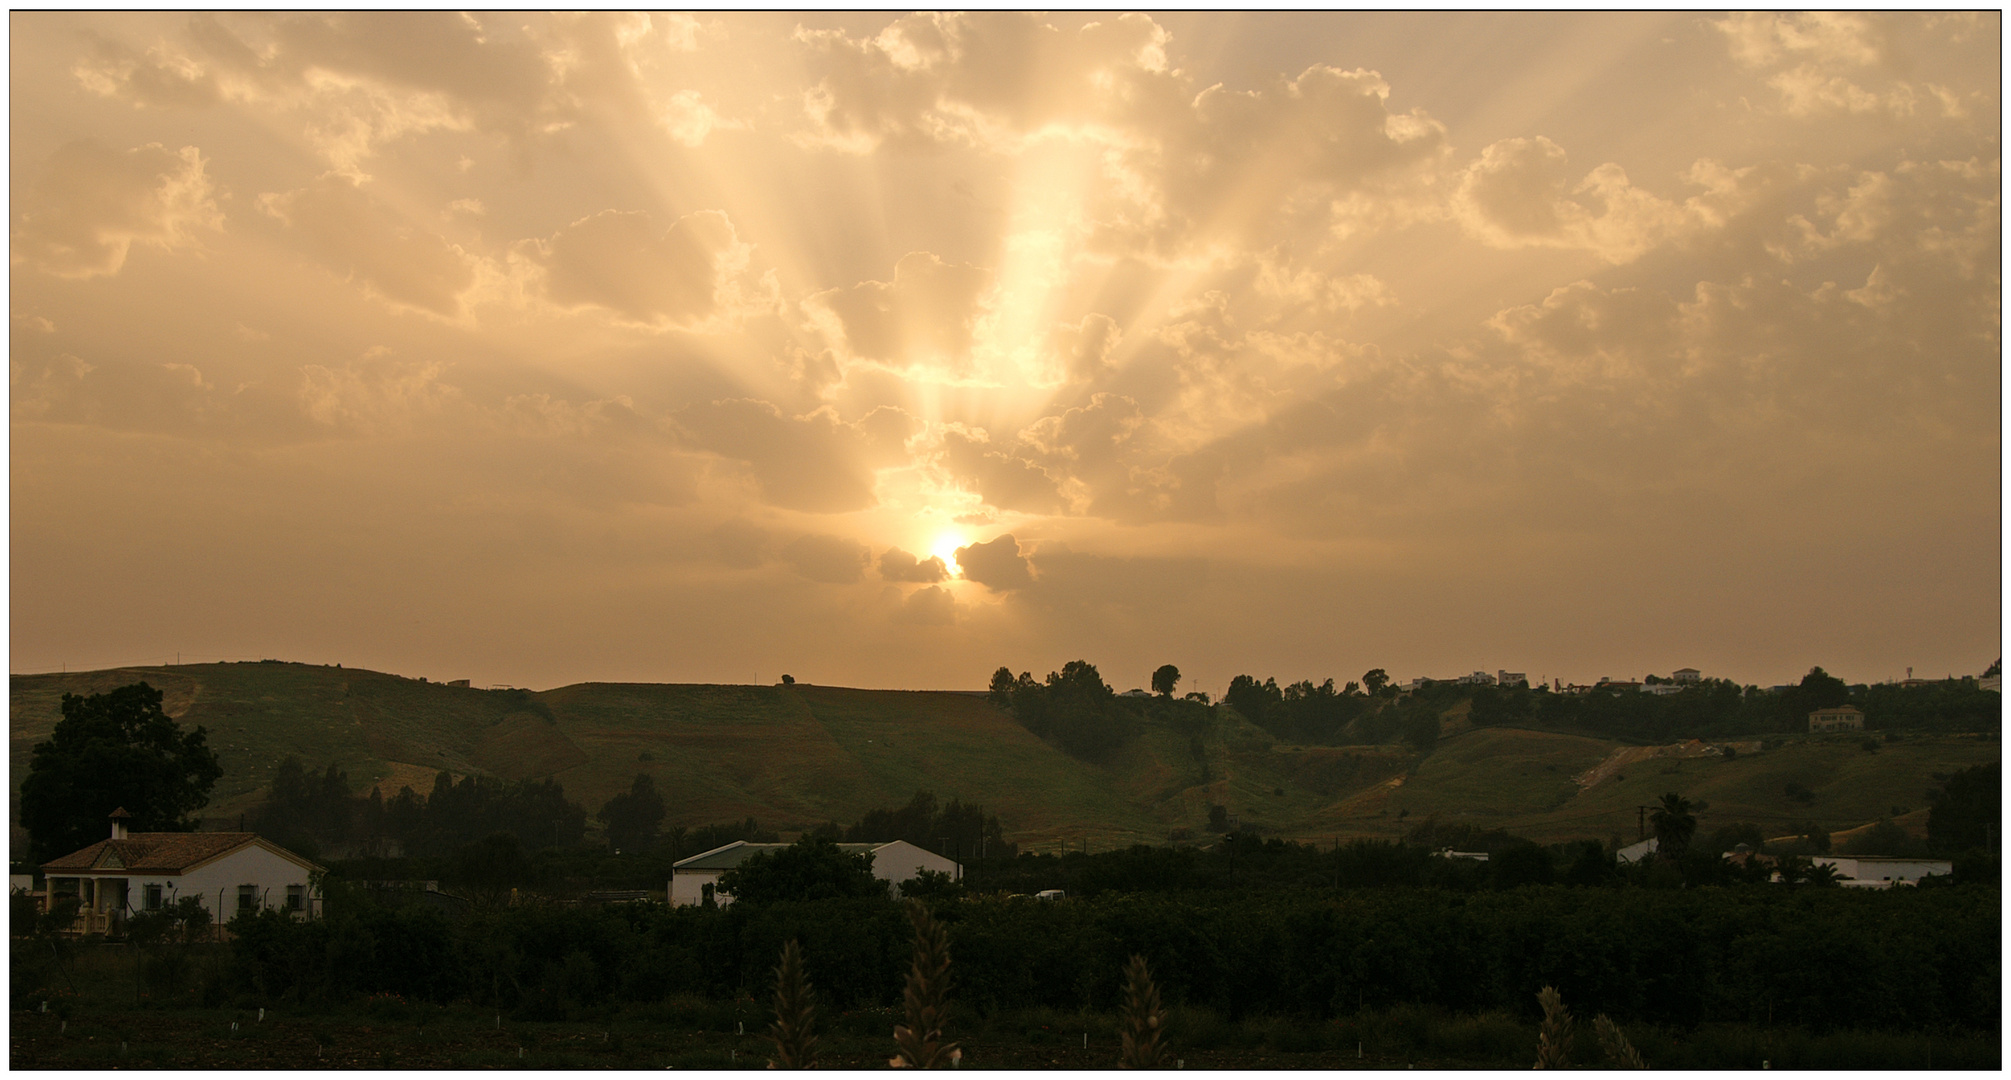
[886,350]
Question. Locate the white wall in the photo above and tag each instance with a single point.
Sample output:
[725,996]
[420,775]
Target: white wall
[1898,870]
[901,861]
[687,887]
[253,865]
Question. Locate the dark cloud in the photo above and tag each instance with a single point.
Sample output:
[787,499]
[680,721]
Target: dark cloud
[922,318]
[617,260]
[933,606]
[356,236]
[93,203]
[740,544]
[996,564]
[898,565]
[814,463]
[832,560]
[1005,480]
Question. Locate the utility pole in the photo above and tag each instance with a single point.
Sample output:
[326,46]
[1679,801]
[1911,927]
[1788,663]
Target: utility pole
[1641,813]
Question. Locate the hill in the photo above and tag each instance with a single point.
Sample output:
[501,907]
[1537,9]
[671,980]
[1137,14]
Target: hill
[794,756]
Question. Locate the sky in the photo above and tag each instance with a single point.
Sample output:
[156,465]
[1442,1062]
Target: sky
[888,350]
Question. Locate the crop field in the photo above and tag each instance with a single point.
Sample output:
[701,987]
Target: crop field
[96,1023]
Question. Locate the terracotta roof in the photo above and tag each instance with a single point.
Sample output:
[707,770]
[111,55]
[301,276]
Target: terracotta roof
[157,852]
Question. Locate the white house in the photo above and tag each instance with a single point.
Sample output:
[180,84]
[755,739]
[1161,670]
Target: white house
[230,872]
[1883,871]
[895,862]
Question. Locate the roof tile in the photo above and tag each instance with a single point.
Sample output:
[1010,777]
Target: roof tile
[155,852]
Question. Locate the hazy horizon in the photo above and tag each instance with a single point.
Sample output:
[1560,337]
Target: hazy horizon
[887,350]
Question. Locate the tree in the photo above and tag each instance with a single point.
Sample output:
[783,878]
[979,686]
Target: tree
[1003,685]
[631,818]
[812,868]
[109,751]
[1674,826]
[490,867]
[1968,811]
[1165,680]
[1421,728]
[1374,680]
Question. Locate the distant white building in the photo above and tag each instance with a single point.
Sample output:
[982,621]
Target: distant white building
[1687,676]
[1511,678]
[1634,853]
[896,863]
[1883,871]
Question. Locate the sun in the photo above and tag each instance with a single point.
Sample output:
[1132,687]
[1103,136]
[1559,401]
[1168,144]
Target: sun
[945,548]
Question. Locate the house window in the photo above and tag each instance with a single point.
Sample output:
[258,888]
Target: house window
[247,897]
[296,897]
[153,897]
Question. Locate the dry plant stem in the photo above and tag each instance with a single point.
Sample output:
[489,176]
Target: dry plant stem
[1620,1054]
[920,1040]
[795,1014]
[1144,1021]
[1553,1040]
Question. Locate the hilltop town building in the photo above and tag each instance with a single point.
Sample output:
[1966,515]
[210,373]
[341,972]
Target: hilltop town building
[1841,718]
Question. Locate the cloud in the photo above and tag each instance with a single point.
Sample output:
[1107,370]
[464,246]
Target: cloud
[91,204]
[359,238]
[933,606]
[1080,352]
[999,475]
[374,394]
[616,260]
[996,564]
[739,544]
[974,78]
[1834,62]
[898,565]
[814,463]
[1175,164]
[1519,194]
[831,560]
[157,78]
[920,320]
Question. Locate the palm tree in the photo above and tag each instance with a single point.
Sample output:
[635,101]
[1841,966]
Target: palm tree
[1674,826]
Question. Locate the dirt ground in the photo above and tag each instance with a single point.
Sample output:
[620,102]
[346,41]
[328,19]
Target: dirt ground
[205,1039]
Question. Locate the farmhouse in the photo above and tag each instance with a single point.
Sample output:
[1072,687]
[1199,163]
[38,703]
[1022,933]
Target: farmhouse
[232,873]
[1842,718]
[695,878]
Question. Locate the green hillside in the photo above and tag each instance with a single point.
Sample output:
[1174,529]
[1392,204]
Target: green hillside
[798,755]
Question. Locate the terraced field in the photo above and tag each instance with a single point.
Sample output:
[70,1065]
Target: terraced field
[798,755]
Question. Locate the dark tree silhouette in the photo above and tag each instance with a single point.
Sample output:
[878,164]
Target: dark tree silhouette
[110,751]
[1165,680]
[632,817]
[1674,826]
